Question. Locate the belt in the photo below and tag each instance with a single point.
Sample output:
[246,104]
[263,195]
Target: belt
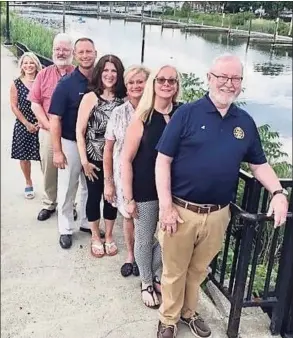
[196,208]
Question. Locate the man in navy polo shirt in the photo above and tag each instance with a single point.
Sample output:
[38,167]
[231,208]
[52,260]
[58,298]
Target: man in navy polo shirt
[64,107]
[197,168]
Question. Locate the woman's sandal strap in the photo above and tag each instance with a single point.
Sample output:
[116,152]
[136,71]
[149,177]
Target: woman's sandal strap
[149,289]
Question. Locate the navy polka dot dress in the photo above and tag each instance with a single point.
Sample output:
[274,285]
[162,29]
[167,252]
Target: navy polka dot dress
[25,145]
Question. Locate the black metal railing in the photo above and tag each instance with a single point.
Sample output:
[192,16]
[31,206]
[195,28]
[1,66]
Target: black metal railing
[21,48]
[240,271]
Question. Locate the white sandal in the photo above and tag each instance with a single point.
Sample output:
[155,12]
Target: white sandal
[29,193]
[111,248]
[97,249]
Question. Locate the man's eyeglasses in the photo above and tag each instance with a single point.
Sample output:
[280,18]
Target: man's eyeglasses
[62,50]
[162,80]
[224,79]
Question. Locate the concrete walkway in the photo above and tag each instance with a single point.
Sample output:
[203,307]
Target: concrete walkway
[49,292]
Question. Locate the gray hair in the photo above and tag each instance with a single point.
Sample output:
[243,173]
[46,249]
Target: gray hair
[33,57]
[63,37]
[225,57]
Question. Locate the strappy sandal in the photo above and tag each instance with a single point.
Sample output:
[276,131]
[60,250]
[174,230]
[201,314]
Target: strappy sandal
[150,290]
[126,269]
[111,248]
[29,193]
[157,281]
[97,246]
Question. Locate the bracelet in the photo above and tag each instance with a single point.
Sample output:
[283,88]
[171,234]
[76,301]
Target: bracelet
[109,179]
[128,201]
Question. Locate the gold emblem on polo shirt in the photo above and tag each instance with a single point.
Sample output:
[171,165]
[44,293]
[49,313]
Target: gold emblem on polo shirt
[238,133]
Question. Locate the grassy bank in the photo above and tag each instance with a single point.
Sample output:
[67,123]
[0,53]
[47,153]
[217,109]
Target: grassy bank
[238,20]
[35,36]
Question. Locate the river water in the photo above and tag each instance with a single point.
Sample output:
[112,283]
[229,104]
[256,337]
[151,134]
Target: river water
[267,74]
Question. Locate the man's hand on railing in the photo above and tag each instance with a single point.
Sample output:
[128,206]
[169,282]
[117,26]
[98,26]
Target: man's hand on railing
[279,209]
[261,217]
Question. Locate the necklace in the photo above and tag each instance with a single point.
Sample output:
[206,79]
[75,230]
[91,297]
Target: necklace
[170,109]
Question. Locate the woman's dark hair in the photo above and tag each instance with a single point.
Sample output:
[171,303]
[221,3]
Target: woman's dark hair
[96,83]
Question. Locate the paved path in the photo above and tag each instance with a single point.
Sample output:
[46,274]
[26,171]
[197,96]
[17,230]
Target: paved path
[49,292]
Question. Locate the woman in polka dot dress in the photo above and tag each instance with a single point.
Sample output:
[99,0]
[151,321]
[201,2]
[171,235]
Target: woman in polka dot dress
[25,142]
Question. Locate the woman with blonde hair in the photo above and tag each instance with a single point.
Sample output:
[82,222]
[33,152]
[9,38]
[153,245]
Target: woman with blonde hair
[153,112]
[135,78]
[25,142]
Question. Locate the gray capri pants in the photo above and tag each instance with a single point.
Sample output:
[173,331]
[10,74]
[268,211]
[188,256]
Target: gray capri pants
[147,250]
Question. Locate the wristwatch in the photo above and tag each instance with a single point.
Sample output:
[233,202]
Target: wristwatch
[280,191]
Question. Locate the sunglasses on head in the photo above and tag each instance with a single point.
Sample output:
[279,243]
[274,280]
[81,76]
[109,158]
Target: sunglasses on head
[162,80]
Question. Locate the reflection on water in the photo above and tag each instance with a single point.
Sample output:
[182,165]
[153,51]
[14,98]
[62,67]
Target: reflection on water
[269,68]
[226,40]
[267,72]
[215,38]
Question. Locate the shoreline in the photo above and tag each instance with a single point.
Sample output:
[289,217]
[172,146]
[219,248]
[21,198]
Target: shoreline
[280,40]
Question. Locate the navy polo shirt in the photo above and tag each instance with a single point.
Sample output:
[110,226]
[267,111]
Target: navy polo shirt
[66,99]
[207,151]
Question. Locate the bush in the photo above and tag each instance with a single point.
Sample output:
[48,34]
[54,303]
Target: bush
[35,36]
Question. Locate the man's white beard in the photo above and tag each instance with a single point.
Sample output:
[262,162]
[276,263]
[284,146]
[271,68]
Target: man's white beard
[65,62]
[224,101]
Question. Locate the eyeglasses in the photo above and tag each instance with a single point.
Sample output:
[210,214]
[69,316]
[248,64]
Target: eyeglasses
[224,79]
[162,80]
[61,50]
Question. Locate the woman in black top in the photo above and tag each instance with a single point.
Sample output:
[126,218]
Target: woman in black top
[107,91]
[155,109]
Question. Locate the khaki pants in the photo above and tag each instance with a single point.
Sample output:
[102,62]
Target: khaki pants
[186,256]
[50,172]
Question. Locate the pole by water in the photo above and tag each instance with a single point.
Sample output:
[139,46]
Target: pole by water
[98,8]
[143,43]
[290,28]
[64,10]
[7,41]
[249,31]
[276,30]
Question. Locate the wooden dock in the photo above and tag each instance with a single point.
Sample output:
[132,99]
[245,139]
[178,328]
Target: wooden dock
[168,24]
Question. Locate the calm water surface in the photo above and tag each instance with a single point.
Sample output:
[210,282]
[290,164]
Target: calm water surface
[267,75]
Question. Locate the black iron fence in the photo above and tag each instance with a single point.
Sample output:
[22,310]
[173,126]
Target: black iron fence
[255,267]
[21,48]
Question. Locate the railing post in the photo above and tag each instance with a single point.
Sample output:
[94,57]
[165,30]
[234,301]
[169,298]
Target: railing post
[285,276]
[287,328]
[243,261]
[240,280]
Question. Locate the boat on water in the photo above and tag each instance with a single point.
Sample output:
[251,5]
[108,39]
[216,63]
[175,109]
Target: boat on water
[80,19]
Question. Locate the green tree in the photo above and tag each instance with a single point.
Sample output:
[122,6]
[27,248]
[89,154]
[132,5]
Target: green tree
[3,7]
[186,8]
